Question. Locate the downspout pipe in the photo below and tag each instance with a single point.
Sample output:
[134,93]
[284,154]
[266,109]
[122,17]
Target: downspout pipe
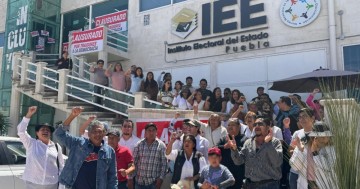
[332,36]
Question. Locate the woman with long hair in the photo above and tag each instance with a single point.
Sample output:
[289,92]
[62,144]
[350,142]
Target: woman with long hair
[165,95]
[136,79]
[44,158]
[180,101]
[178,87]
[218,104]
[195,99]
[150,86]
[237,99]
[117,76]
[188,161]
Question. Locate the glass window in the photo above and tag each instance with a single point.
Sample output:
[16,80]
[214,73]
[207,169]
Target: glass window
[352,58]
[178,1]
[108,8]
[76,20]
[2,39]
[17,152]
[152,4]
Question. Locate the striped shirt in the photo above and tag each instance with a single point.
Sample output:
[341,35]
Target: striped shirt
[150,162]
[260,164]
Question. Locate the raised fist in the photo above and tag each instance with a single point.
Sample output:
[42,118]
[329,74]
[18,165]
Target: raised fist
[31,111]
[76,111]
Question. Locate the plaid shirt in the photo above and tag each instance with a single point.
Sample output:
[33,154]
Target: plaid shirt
[150,162]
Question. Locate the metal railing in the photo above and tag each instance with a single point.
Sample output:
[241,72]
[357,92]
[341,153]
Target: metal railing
[51,79]
[155,104]
[31,72]
[117,40]
[81,71]
[100,96]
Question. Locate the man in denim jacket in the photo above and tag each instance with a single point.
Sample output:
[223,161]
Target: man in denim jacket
[91,162]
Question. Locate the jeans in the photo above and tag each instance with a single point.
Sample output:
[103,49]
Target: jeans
[293,177]
[98,100]
[152,186]
[269,185]
[122,185]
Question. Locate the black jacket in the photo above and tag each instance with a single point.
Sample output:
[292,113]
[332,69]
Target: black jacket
[179,162]
[66,63]
[238,171]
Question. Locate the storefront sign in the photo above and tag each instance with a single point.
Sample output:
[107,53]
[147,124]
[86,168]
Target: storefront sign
[299,13]
[183,23]
[162,128]
[87,41]
[116,21]
[16,38]
[232,44]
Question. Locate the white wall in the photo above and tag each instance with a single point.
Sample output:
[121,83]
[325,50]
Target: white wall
[3,9]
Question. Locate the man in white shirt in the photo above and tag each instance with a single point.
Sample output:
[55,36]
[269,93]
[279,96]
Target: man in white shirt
[128,139]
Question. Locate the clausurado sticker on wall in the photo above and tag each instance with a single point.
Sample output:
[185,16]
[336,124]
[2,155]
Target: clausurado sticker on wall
[163,125]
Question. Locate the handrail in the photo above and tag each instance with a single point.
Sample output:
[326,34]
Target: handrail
[116,32]
[47,54]
[101,86]
[51,70]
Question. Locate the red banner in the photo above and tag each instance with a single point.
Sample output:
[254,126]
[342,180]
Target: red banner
[88,35]
[65,47]
[162,128]
[116,21]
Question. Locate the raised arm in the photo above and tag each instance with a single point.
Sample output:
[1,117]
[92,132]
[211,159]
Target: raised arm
[62,134]
[230,180]
[92,68]
[168,152]
[274,150]
[108,71]
[86,124]
[207,104]
[237,112]
[238,156]
[22,127]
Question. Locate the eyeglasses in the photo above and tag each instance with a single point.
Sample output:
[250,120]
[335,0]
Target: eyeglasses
[127,127]
[261,124]
[304,117]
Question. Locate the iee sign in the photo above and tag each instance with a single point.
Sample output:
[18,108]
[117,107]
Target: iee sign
[219,16]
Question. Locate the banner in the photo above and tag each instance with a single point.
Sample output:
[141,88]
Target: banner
[51,40]
[65,47]
[162,128]
[34,33]
[116,21]
[87,41]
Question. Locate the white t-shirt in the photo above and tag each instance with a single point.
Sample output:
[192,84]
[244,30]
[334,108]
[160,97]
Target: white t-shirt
[181,103]
[202,145]
[133,140]
[301,134]
[188,168]
[215,136]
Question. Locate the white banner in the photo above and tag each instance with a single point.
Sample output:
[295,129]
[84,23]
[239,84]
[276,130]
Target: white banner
[87,41]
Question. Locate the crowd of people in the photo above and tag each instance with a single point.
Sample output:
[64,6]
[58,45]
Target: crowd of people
[253,144]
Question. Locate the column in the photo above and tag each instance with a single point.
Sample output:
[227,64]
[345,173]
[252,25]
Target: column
[39,88]
[16,62]
[81,66]
[24,73]
[139,100]
[63,80]
[14,111]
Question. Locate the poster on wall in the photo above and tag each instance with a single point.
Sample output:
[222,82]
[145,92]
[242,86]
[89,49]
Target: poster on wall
[65,47]
[87,41]
[34,33]
[44,33]
[162,128]
[116,21]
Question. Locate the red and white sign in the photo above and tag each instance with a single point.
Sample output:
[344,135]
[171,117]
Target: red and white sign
[87,41]
[162,128]
[116,21]
[65,47]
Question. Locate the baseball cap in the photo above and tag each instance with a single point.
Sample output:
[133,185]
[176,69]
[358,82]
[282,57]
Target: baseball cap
[150,125]
[214,151]
[38,127]
[113,132]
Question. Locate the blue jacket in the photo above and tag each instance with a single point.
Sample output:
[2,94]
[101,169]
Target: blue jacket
[80,148]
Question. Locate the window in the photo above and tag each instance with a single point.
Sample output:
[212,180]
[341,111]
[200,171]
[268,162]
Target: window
[352,58]
[2,39]
[152,4]
[17,152]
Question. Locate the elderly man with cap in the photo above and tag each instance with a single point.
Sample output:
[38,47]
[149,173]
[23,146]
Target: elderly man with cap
[315,159]
[149,159]
[124,159]
[44,160]
[92,162]
[262,156]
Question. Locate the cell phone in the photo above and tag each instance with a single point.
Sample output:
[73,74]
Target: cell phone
[179,134]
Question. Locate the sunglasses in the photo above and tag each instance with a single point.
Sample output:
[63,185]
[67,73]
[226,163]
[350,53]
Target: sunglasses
[261,124]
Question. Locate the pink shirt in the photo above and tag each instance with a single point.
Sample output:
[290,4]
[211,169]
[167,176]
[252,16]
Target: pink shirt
[118,80]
